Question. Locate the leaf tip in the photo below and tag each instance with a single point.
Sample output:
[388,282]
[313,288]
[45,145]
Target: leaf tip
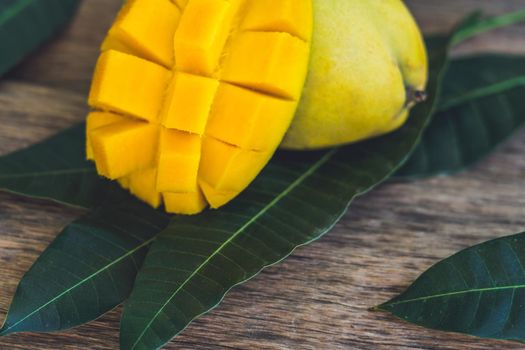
[4,330]
[379,308]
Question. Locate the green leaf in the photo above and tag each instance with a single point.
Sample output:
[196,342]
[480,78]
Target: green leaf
[481,107]
[55,169]
[88,270]
[297,199]
[479,291]
[26,24]
[478,25]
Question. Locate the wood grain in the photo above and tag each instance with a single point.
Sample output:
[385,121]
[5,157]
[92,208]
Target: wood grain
[317,299]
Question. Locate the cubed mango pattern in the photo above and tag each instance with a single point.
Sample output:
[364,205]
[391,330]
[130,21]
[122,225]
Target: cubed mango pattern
[191,98]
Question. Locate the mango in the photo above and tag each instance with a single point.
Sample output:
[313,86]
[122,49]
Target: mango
[191,98]
[368,68]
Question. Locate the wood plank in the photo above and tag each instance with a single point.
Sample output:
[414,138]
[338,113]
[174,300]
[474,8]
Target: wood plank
[317,299]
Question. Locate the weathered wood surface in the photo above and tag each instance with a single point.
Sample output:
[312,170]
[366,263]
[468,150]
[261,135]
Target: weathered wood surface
[317,299]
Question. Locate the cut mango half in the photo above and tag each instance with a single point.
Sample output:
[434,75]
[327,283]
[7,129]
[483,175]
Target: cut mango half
[191,98]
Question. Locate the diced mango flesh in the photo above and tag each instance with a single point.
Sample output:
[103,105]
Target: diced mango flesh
[216,198]
[228,168]
[124,147]
[185,203]
[178,163]
[268,62]
[145,28]
[188,102]
[288,16]
[129,85]
[193,97]
[96,120]
[143,183]
[240,117]
[180,3]
[204,28]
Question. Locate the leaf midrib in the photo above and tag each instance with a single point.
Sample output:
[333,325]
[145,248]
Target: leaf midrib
[270,205]
[486,91]
[13,10]
[449,294]
[145,243]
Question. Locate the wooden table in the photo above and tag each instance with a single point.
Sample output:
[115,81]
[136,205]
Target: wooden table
[317,299]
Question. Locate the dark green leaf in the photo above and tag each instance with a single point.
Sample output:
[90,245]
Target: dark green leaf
[88,270]
[479,291]
[478,25]
[55,169]
[26,24]
[297,198]
[482,105]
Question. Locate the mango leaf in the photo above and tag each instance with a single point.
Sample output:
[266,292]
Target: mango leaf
[26,24]
[479,291]
[195,261]
[481,107]
[478,25]
[88,269]
[44,172]
[55,169]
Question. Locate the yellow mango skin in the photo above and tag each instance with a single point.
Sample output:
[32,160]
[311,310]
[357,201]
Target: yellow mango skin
[203,105]
[360,75]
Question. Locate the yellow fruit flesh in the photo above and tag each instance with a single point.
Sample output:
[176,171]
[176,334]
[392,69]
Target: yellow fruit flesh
[196,95]
[129,85]
[178,163]
[142,28]
[124,147]
[267,62]
[255,131]
[188,102]
[142,184]
[96,120]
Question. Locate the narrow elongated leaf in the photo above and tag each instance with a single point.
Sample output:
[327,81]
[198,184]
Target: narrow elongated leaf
[297,198]
[482,106]
[55,169]
[478,25]
[479,291]
[26,24]
[88,270]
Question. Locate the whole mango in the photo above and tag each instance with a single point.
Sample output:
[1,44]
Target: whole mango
[368,67]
